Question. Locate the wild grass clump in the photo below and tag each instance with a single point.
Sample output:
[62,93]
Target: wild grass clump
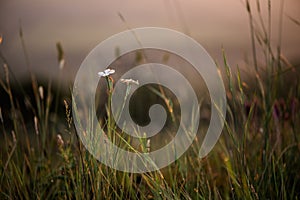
[257,156]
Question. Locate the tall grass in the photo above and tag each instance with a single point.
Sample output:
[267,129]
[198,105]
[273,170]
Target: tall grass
[257,156]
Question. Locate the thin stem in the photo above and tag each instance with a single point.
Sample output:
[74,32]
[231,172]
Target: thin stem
[252,35]
[280,34]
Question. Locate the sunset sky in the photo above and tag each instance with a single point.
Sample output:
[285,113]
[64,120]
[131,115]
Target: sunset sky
[80,26]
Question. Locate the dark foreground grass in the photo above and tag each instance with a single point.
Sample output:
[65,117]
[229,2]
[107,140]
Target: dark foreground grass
[257,156]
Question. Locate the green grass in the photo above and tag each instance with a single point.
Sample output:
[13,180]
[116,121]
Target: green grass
[256,157]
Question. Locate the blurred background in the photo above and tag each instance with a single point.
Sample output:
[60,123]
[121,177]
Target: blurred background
[81,25]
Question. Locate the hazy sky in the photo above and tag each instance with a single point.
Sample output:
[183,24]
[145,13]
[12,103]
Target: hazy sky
[81,25]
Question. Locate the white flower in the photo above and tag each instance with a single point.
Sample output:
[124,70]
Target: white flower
[106,72]
[130,81]
[60,141]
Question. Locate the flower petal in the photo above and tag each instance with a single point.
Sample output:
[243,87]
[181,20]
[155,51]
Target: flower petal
[101,74]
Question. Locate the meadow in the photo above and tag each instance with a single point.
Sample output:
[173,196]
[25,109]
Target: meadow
[256,157]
